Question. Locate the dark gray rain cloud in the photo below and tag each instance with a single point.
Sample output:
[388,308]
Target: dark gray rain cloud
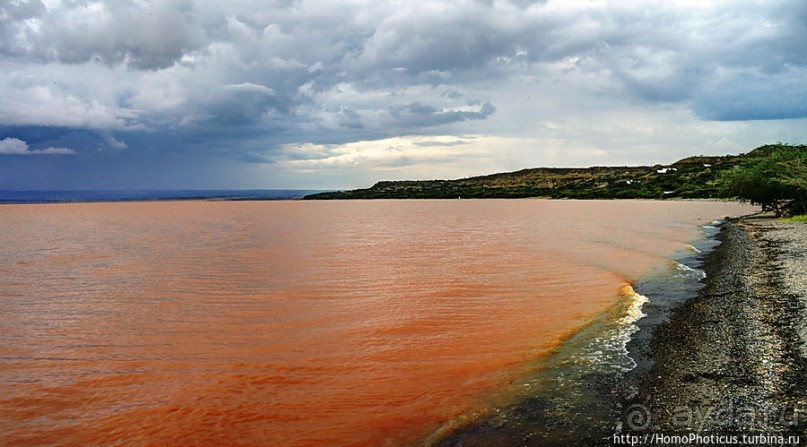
[143,35]
[241,79]
[417,115]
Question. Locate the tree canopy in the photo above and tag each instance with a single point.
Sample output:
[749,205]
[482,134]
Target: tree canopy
[774,177]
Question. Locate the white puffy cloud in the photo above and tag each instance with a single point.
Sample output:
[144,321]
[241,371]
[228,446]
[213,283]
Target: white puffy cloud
[111,143]
[15,146]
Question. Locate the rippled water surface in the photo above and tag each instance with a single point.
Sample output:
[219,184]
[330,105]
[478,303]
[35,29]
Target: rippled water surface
[300,323]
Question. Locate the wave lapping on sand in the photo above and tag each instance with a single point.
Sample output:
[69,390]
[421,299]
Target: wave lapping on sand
[734,358]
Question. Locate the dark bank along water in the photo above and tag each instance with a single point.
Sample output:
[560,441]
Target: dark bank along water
[306,323]
[145,195]
[581,393]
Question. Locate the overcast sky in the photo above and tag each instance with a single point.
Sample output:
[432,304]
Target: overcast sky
[129,94]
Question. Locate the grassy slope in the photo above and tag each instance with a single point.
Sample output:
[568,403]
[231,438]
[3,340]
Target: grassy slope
[693,177]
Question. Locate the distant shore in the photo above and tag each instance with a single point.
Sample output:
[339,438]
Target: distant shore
[730,361]
[87,196]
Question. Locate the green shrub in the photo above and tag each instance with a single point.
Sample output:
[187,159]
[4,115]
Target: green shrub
[775,179]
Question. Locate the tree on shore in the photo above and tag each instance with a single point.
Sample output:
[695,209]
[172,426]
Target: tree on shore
[774,177]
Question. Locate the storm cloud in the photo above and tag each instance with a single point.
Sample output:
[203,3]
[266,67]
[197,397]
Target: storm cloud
[182,83]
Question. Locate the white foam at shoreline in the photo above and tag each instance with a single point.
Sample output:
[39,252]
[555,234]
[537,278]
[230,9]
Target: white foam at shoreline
[603,346]
[686,270]
[627,324]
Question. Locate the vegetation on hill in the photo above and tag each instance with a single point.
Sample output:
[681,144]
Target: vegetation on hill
[693,177]
[774,177]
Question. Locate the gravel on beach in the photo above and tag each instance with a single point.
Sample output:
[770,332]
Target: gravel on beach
[730,361]
[733,360]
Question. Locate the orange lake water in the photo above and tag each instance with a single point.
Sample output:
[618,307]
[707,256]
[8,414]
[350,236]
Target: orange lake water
[300,323]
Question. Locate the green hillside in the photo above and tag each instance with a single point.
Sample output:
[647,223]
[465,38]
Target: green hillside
[692,177]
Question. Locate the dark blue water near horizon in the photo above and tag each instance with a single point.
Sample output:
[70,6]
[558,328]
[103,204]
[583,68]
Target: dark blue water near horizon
[73,196]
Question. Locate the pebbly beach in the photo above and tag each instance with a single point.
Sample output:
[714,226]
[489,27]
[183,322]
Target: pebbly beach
[727,365]
[733,359]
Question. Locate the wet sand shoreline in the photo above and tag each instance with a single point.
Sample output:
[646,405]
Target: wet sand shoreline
[730,361]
